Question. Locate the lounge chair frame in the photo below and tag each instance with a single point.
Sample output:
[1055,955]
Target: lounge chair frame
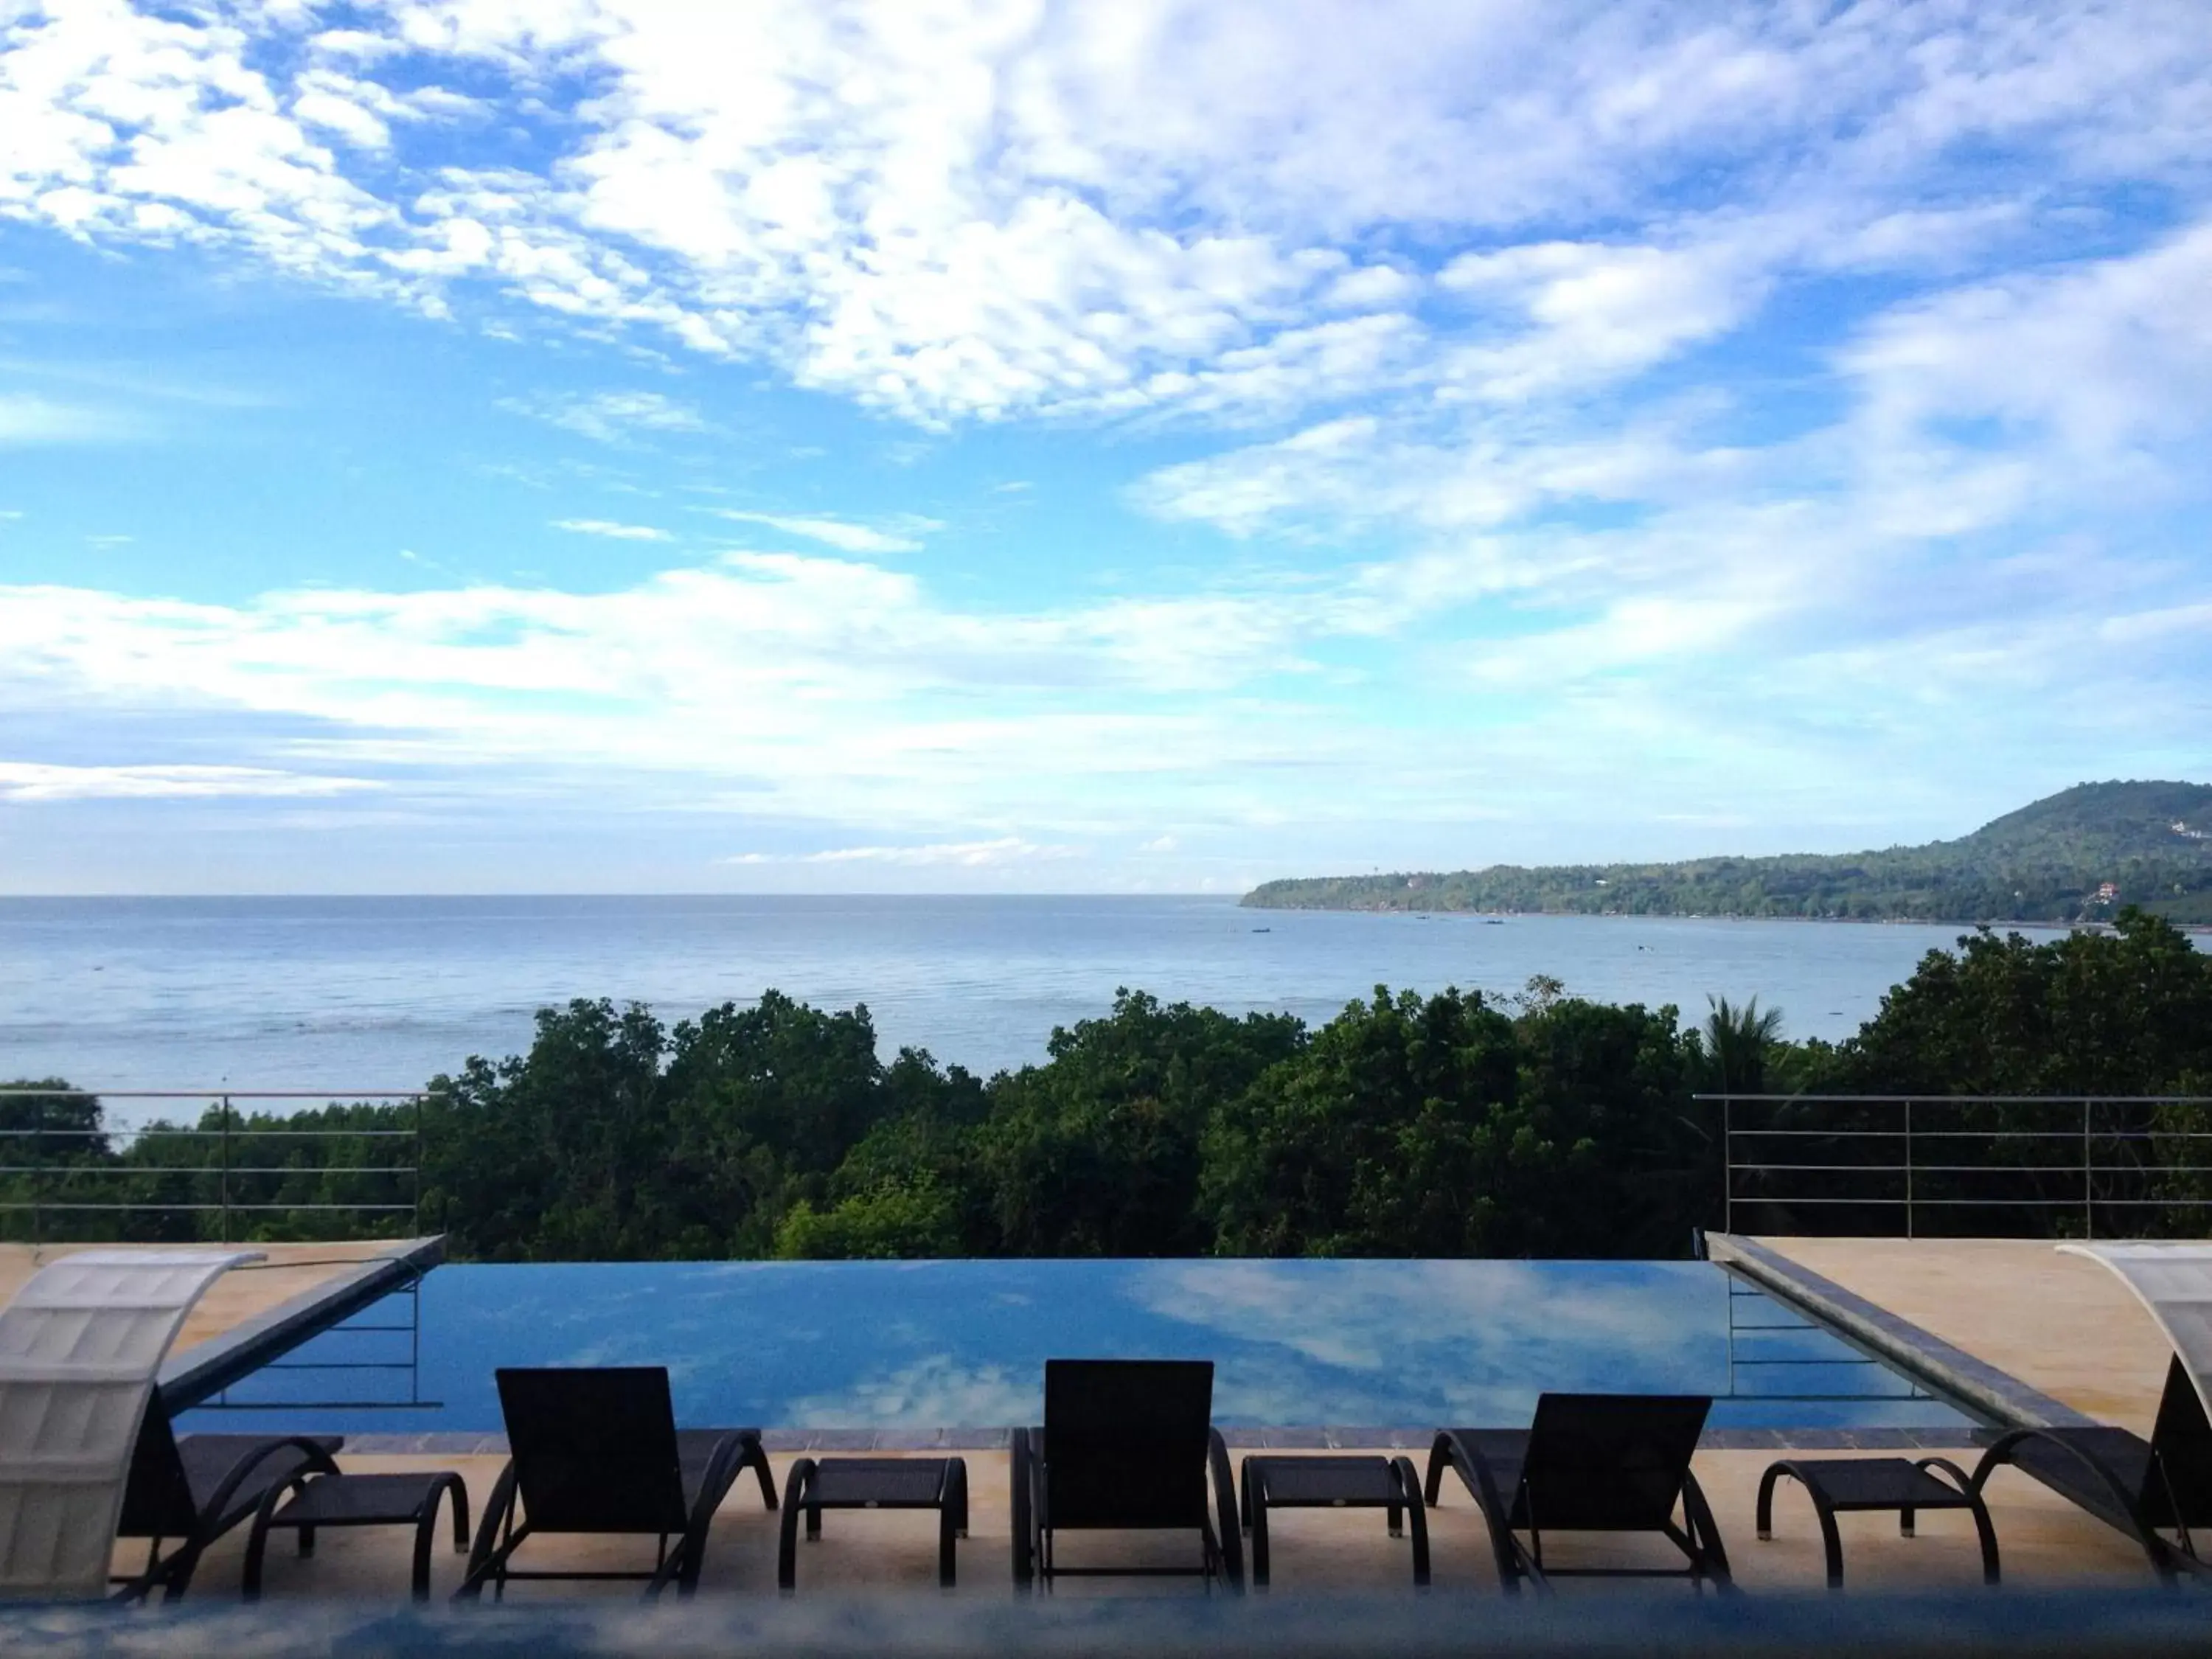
[1814,1475]
[159,1504]
[1281,1481]
[1495,1465]
[668,1482]
[874,1483]
[2142,1487]
[1035,1524]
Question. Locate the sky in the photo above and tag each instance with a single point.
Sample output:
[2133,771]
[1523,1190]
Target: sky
[633,444]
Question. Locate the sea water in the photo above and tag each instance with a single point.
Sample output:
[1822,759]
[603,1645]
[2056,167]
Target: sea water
[360,993]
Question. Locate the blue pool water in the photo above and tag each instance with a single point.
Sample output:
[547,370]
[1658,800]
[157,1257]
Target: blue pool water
[919,1345]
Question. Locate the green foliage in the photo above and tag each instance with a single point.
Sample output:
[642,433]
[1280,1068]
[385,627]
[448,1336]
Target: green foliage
[2047,862]
[1372,1142]
[891,1220]
[1739,1043]
[1097,1152]
[2125,1012]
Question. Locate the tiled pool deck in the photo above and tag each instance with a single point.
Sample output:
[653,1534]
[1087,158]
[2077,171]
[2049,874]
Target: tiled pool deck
[2059,1325]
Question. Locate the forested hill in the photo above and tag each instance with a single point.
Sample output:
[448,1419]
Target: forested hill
[2047,862]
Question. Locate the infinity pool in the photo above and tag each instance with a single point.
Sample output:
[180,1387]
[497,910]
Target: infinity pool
[919,1345]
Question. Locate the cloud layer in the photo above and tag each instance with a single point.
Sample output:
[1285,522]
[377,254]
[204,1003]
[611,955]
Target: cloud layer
[1676,407]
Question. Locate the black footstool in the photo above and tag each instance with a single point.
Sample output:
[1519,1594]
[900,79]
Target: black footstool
[362,1500]
[1332,1483]
[1839,1485]
[873,1483]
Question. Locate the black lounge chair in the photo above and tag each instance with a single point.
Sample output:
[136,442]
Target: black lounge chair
[1590,1463]
[195,1489]
[2144,1487]
[595,1450]
[1127,1445]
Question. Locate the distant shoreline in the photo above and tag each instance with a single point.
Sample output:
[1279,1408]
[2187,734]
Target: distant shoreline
[1684,915]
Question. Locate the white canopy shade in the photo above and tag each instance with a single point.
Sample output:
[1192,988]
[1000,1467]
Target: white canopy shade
[2174,1281]
[80,1347]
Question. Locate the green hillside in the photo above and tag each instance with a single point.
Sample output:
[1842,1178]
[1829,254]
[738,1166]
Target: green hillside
[2047,862]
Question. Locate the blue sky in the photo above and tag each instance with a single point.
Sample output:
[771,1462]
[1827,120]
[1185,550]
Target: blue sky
[598,444]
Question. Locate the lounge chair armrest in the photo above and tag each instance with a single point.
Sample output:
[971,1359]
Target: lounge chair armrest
[2162,1555]
[1711,1555]
[1958,1476]
[1511,1558]
[1224,1506]
[1019,1457]
[318,1462]
[483,1554]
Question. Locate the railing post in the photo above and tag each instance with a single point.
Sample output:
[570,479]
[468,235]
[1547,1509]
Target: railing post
[1728,1164]
[2088,1183]
[223,1194]
[1908,1169]
[38,1171]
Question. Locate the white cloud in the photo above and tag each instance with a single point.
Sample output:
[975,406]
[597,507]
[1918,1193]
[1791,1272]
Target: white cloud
[27,781]
[965,855]
[27,418]
[976,212]
[608,527]
[609,417]
[1589,312]
[2100,355]
[840,533]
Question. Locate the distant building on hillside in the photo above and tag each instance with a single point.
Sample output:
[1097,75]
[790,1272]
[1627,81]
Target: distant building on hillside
[2107,891]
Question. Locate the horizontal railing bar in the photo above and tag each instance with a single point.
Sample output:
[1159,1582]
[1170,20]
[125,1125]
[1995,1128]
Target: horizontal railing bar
[1971,1100]
[213,1094]
[1740,1362]
[412,1405]
[163,1205]
[62,1169]
[237,1130]
[1771,1198]
[2067,1204]
[1980,1169]
[1817,1399]
[337,1365]
[1830,1169]
[2073,1137]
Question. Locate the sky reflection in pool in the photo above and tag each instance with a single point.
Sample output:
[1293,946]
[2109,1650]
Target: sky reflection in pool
[918,1345]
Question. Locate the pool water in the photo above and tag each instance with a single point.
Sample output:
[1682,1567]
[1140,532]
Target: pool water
[935,1344]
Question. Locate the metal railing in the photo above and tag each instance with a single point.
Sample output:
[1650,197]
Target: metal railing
[2083,1166]
[77,1179]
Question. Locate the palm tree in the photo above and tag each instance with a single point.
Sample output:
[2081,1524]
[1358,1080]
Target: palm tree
[1738,1041]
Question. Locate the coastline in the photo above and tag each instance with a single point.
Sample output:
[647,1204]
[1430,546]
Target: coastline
[1246,902]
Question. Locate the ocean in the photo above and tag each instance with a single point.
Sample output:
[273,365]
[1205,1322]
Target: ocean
[342,994]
